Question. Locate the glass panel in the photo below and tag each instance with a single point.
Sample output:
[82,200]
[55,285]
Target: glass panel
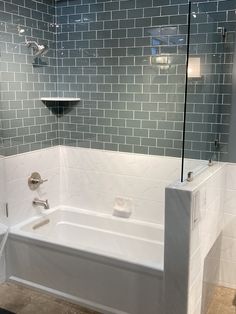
[3,218]
[229,108]
[203,125]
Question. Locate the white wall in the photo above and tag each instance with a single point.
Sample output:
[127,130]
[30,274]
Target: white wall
[205,233]
[188,244]
[228,244]
[18,194]
[219,221]
[91,179]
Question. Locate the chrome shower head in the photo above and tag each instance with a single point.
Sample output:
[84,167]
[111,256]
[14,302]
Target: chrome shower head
[39,50]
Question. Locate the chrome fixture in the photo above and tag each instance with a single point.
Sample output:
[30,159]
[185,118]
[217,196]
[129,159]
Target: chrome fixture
[190,176]
[222,31]
[7,210]
[20,30]
[39,50]
[35,180]
[210,162]
[44,204]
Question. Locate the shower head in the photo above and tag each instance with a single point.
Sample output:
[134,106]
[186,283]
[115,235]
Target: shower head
[39,50]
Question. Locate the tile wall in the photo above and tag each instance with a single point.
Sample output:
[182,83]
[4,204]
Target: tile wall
[228,245]
[126,61]
[104,176]
[26,124]
[209,98]
[139,177]
[212,240]
[204,235]
[18,169]
[193,223]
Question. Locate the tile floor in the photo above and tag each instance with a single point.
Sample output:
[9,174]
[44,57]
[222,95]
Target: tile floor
[223,302]
[21,300]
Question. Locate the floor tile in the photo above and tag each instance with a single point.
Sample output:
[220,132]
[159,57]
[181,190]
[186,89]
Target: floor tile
[22,300]
[223,301]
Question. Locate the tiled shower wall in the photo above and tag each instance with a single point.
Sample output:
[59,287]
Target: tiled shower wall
[126,61]
[210,97]
[26,124]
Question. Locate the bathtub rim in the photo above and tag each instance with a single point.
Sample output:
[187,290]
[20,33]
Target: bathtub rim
[29,237]
[63,207]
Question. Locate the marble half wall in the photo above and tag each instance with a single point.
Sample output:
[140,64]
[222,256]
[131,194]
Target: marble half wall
[227,277]
[193,222]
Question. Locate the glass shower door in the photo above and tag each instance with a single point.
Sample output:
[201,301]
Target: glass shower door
[3,221]
[210,137]
[203,104]
[3,203]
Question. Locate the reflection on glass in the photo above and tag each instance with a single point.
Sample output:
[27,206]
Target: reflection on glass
[206,97]
[194,67]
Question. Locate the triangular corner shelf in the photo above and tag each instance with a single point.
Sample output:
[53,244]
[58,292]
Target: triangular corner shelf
[60,99]
[60,105]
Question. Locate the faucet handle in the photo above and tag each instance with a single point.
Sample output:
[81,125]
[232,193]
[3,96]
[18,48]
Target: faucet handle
[47,204]
[35,180]
[42,181]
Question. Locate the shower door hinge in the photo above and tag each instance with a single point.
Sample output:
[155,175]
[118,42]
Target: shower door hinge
[217,143]
[222,31]
[6,210]
[190,176]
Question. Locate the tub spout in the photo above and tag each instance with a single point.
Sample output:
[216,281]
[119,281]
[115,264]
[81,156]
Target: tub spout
[42,203]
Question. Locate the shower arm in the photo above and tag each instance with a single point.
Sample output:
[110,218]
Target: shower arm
[30,43]
[38,49]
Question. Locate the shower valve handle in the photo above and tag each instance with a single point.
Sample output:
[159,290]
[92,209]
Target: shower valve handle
[35,180]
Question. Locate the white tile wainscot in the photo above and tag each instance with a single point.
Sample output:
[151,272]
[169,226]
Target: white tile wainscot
[187,245]
[227,277]
[91,179]
[18,170]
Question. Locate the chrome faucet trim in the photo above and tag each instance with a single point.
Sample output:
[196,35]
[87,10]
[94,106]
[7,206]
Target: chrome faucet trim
[35,180]
[42,203]
[190,176]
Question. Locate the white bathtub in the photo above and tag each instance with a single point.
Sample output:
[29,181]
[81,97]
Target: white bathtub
[110,264]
